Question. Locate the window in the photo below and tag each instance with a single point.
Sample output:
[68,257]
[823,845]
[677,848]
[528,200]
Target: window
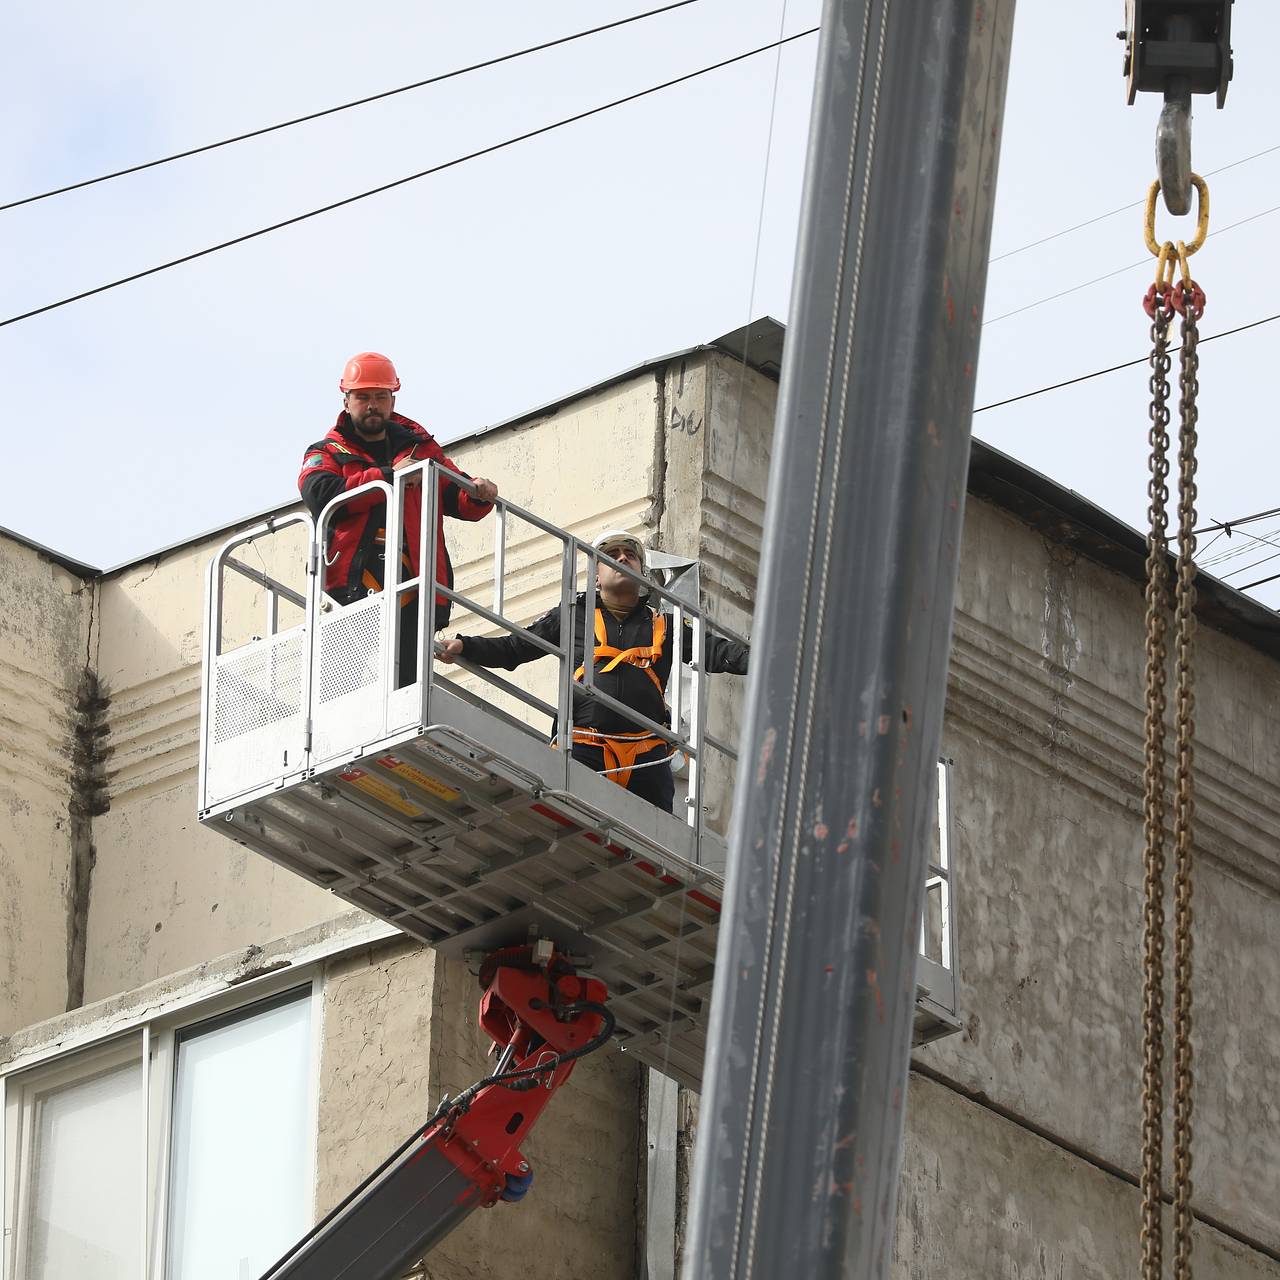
[77,1139]
[181,1151]
[239,1172]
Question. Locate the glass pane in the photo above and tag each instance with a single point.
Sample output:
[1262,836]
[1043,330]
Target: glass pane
[86,1180]
[240,1193]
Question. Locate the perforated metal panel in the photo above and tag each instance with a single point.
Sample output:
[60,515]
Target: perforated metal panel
[349,649]
[257,722]
[257,685]
[349,703]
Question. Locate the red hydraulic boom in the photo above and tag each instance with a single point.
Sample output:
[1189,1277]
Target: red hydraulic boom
[542,1017]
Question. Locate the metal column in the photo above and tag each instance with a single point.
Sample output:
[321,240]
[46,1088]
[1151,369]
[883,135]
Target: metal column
[799,1144]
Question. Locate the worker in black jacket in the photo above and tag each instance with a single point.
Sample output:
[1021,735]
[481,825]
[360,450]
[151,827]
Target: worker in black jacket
[633,656]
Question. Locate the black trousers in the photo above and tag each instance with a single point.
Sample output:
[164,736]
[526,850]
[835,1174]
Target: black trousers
[408,665]
[656,784]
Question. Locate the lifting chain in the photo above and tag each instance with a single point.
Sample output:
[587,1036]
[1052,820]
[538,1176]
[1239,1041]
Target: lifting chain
[1163,299]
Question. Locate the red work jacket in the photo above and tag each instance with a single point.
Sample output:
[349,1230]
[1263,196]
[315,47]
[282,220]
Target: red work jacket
[353,556]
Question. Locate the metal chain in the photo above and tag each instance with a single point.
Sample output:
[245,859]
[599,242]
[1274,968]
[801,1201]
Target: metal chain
[1184,801]
[1157,596]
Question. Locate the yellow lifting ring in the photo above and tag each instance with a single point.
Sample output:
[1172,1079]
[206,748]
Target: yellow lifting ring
[1183,253]
[1164,265]
[1202,216]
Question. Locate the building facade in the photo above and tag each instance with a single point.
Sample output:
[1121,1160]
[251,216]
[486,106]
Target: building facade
[202,1053]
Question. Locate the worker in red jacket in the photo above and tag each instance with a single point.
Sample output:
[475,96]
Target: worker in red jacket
[370,441]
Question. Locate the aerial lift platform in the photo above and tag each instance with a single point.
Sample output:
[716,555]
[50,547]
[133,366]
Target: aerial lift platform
[467,828]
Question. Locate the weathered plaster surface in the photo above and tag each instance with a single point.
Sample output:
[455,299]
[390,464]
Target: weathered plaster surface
[983,1199]
[1044,723]
[166,892]
[45,853]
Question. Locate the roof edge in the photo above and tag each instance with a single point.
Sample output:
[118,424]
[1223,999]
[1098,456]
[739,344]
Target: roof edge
[1074,521]
[78,567]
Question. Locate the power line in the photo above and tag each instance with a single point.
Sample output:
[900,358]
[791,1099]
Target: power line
[345,106]
[1133,266]
[1253,564]
[1228,525]
[1128,364]
[400,182]
[1236,551]
[1261,582]
[1124,208]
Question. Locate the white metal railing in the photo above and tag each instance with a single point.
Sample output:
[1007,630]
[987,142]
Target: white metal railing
[253,698]
[293,702]
[937,919]
[348,696]
[574,555]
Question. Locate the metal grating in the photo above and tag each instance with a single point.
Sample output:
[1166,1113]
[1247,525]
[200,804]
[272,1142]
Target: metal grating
[258,686]
[349,648]
[463,853]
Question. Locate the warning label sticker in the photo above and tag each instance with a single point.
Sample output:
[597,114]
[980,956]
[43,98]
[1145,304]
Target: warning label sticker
[411,773]
[381,790]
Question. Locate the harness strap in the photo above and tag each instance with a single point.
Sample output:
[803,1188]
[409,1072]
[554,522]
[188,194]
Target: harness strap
[641,656]
[620,751]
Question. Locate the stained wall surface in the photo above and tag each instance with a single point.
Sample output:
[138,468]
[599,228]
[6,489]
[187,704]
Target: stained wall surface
[48,781]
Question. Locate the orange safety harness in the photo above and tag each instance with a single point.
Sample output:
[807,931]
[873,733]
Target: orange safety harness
[621,750]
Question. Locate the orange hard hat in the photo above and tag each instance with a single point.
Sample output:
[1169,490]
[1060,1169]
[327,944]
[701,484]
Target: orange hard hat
[368,370]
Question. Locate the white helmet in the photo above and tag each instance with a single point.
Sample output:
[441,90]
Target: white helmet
[616,537]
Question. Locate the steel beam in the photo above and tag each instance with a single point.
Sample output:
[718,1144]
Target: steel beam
[800,1134]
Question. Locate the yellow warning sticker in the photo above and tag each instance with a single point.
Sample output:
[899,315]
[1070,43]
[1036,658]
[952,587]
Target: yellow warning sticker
[410,773]
[380,790]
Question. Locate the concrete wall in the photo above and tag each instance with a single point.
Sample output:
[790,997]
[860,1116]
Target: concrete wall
[1044,723]
[983,1198]
[1022,1137]
[48,782]
[166,893]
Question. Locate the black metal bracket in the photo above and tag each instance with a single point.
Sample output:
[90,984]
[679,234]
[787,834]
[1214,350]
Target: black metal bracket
[1177,48]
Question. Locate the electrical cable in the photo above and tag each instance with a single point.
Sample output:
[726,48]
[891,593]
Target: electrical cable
[1119,271]
[399,182]
[1231,524]
[1265,539]
[1261,582]
[345,106]
[1124,208]
[1253,564]
[1128,364]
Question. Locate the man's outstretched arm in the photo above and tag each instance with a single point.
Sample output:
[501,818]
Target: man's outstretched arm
[509,652]
[722,655]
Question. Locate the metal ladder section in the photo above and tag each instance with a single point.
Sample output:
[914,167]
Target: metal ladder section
[458,823]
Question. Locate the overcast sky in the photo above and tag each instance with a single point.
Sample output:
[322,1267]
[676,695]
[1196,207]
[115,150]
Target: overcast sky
[182,402]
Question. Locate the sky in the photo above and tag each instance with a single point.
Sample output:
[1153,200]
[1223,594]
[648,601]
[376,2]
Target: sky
[183,402]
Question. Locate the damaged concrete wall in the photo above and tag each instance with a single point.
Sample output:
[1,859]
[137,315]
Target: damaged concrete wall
[715,437]
[1044,722]
[399,1031]
[167,894]
[51,748]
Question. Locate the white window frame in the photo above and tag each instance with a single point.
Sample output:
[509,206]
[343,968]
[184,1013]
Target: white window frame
[153,1042]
